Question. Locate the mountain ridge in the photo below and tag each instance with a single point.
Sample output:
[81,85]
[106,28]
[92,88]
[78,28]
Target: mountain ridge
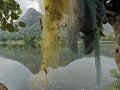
[31,17]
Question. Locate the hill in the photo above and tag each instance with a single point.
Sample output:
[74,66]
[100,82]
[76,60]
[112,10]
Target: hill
[31,17]
[32,30]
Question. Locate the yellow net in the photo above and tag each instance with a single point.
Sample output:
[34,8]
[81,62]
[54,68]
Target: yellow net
[54,10]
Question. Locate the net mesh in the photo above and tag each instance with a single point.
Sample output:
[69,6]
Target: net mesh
[51,36]
[59,27]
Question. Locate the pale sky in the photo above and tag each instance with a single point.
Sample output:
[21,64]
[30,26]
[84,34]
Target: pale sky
[36,4]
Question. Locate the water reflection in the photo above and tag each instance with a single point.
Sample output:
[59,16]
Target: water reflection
[80,74]
[30,54]
[75,76]
[74,72]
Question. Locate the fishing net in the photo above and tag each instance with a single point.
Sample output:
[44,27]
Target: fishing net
[54,10]
[3,87]
[62,22]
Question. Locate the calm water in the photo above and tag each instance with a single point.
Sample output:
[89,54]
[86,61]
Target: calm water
[75,71]
[30,55]
[80,74]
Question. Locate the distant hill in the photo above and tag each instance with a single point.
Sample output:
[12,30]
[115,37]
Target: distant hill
[31,31]
[31,17]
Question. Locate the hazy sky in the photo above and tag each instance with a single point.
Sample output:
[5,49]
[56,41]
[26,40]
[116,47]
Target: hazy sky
[36,4]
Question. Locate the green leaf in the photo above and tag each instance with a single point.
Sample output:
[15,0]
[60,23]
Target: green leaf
[0,16]
[8,17]
[3,28]
[6,12]
[22,24]
[14,16]
[1,5]
[17,6]
[12,5]
[10,27]
[16,28]
[19,12]
[9,12]
[3,23]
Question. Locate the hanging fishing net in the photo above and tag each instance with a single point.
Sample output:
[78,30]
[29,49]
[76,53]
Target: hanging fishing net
[51,35]
[61,36]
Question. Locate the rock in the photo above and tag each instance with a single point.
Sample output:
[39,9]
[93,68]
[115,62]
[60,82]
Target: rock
[3,87]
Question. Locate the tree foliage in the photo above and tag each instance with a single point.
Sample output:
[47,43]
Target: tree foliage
[10,11]
[112,5]
[116,83]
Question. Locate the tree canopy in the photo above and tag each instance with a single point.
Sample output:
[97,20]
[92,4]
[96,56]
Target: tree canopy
[10,11]
[112,5]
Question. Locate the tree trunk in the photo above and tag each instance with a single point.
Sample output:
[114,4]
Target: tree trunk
[114,20]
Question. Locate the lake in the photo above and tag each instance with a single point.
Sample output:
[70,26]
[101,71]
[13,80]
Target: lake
[74,72]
